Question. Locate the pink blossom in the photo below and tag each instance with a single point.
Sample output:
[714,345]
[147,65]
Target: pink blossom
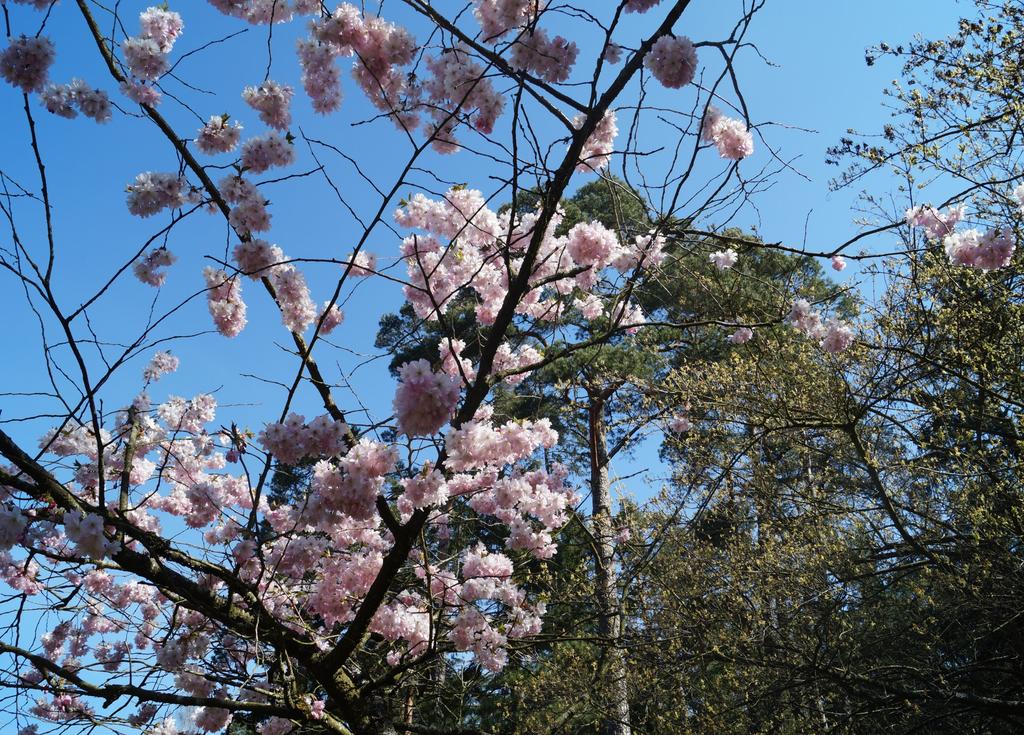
[26,62]
[152,192]
[297,307]
[741,336]
[330,317]
[216,136]
[266,151]
[458,90]
[190,415]
[724,259]
[144,57]
[1018,195]
[161,26]
[293,440]
[989,251]
[508,360]
[612,53]
[673,61]
[86,531]
[646,251]
[250,211]
[803,318]
[730,136]
[60,99]
[598,149]
[271,100]
[838,263]
[426,489]
[12,525]
[363,264]
[935,223]
[141,93]
[224,299]
[590,306]
[162,363]
[640,6]
[452,362]
[838,336]
[256,258]
[592,244]
[320,76]
[147,268]
[551,59]
[425,400]
[679,424]
[498,17]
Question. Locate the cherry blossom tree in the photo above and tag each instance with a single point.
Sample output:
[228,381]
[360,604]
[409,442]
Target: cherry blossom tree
[168,588]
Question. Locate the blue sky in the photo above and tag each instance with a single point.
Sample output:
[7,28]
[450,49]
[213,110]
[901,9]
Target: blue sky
[816,81]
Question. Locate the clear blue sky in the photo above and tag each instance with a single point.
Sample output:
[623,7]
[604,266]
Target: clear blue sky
[817,80]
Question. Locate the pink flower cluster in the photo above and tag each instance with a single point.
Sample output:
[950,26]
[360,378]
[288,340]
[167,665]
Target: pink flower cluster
[640,6]
[458,89]
[141,93]
[330,317]
[597,151]
[351,487]
[216,136]
[293,440]
[266,151]
[321,77]
[144,58]
[936,224]
[838,263]
[424,401]
[498,17]
[162,26]
[724,259]
[25,63]
[679,423]
[835,335]
[478,443]
[381,49]
[162,363]
[507,360]
[62,100]
[730,136]
[147,268]
[272,101]
[12,526]
[985,251]
[265,12]
[152,192]
[146,54]
[249,213]
[741,336]
[673,61]
[224,299]
[259,259]
[481,239]
[87,533]
[551,59]
[363,264]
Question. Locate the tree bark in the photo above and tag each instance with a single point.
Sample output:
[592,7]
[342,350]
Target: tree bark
[615,720]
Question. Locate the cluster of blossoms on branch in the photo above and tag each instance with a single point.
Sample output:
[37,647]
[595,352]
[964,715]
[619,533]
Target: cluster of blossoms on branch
[835,335]
[305,566]
[986,251]
[730,136]
[67,100]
